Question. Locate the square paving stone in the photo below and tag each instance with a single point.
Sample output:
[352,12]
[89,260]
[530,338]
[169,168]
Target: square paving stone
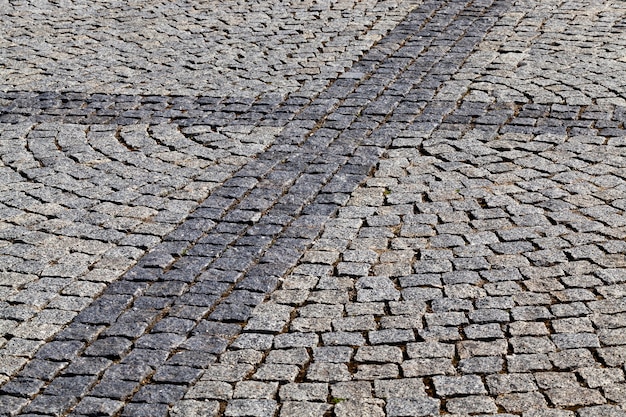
[328,372]
[159,341]
[428,367]
[54,405]
[145,410]
[176,374]
[304,392]
[481,365]
[615,392]
[602,411]
[254,389]
[391,336]
[458,385]
[295,356]
[288,340]
[10,405]
[98,406]
[150,357]
[399,388]
[192,408]
[573,396]
[303,409]
[412,407]
[59,351]
[430,350]
[472,404]
[528,362]
[227,372]
[114,389]
[365,407]
[22,387]
[260,408]
[87,366]
[42,369]
[572,359]
[110,347]
[336,354]
[598,377]
[254,340]
[519,402]
[277,372]
[215,390]
[76,386]
[128,371]
[194,359]
[159,394]
[546,412]
[384,354]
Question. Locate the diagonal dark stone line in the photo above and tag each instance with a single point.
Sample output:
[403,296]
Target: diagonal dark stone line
[184,302]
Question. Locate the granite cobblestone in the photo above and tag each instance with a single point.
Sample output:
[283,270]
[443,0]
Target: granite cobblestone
[402,208]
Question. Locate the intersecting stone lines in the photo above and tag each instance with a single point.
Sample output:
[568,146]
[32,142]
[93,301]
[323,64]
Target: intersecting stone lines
[441,231]
[164,321]
[81,203]
[93,180]
[480,270]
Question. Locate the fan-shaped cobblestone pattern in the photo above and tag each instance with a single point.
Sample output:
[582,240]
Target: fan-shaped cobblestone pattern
[82,203]
[95,178]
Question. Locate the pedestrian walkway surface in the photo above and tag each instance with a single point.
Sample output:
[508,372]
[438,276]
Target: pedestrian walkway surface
[313,208]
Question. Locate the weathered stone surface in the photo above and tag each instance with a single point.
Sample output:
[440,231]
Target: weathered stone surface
[373,207]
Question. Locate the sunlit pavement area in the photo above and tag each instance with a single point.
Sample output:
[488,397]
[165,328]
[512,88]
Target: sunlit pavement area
[313,208]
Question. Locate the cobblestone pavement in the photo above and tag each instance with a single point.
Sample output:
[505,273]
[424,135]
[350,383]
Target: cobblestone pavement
[334,208]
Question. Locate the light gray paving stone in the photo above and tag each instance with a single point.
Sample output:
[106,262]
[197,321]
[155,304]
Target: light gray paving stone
[427,367]
[472,404]
[372,407]
[602,410]
[254,389]
[412,407]
[213,390]
[572,359]
[548,413]
[376,371]
[328,372]
[615,392]
[304,392]
[250,407]
[451,386]
[521,402]
[277,372]
[341,391]
[599,377]
[296,356]
[303,408]
[481,365]
[572,396]
[384,354]
[195,408]
[399,388]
